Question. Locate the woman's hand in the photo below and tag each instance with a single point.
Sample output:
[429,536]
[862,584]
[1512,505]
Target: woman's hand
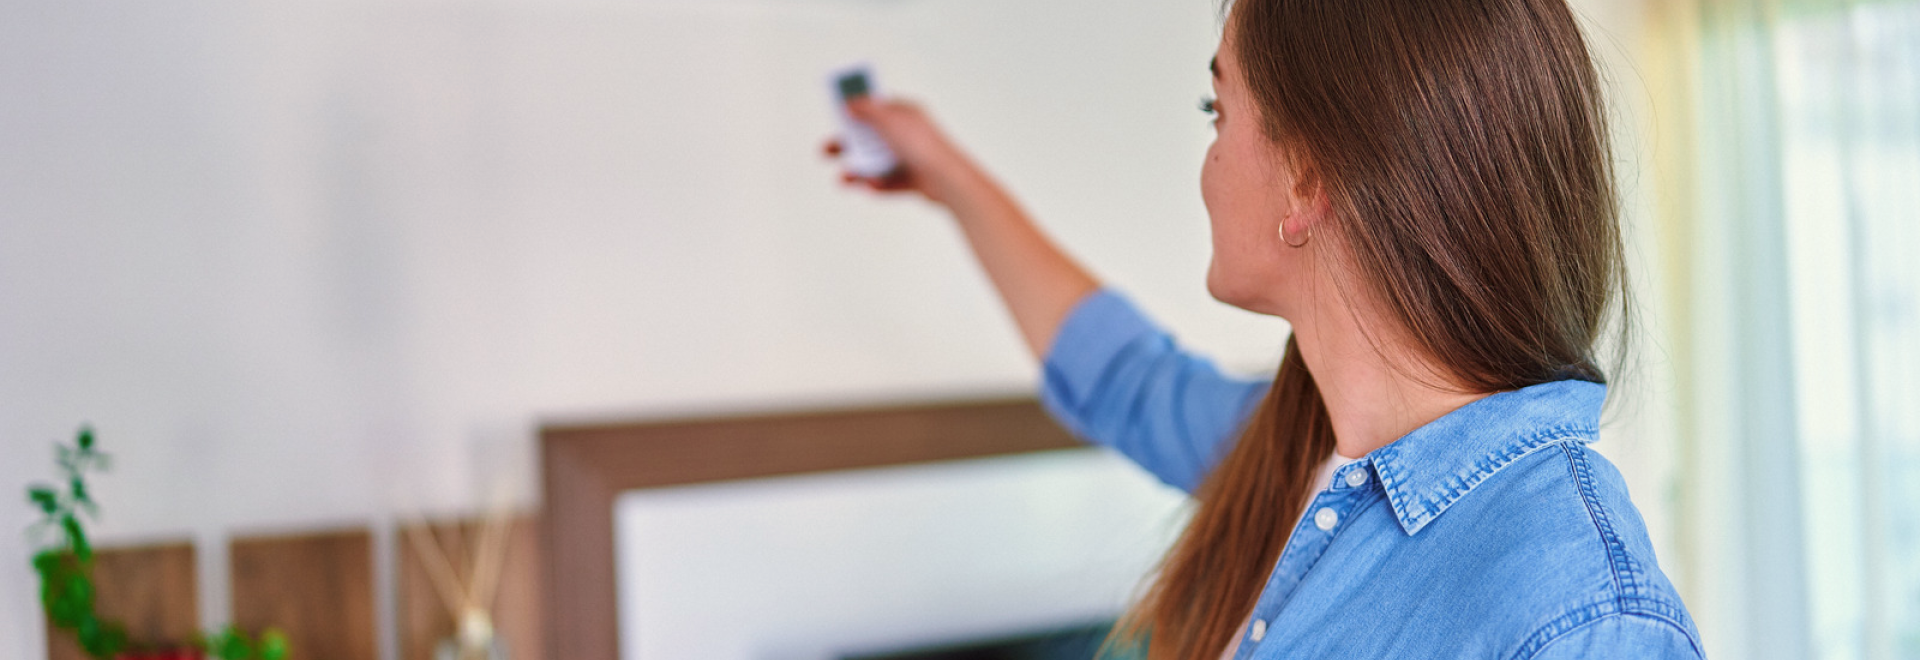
[930,164]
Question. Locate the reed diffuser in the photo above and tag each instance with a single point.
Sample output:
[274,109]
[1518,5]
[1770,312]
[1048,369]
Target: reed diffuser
[468,598]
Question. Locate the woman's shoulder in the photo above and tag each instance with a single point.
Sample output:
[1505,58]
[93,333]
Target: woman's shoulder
[1560,526]
[1534,553]
[1560,510]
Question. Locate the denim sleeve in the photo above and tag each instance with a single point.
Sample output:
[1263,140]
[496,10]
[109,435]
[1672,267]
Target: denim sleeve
[1115,379]
[1623,636]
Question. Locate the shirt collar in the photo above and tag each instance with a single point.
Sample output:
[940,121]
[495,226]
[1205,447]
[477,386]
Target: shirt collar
[1426,471]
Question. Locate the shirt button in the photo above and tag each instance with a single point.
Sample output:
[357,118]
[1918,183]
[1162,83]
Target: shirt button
[1325,519]
[1355,478]
[1259,629]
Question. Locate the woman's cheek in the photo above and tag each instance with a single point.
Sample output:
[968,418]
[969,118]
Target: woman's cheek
[1206,176]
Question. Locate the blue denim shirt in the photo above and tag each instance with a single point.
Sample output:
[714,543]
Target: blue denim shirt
[1492,532]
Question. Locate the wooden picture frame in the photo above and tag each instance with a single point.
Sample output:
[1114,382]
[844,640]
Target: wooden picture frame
[315,587]
[586,467]
[153,590]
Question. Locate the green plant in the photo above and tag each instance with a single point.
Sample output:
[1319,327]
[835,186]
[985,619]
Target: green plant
[233,644]
[65,564]
[65,558]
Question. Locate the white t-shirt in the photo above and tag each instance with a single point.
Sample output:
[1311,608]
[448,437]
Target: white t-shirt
[1321,481]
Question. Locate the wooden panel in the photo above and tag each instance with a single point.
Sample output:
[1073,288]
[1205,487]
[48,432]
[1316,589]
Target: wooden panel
[424,619]
[586,467]
[149,589]
[317,588]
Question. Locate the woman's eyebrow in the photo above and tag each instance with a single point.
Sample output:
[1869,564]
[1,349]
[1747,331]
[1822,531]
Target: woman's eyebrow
[1214,66]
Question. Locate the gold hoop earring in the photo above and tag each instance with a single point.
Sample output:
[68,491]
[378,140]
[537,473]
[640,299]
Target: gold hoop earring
[1303,241]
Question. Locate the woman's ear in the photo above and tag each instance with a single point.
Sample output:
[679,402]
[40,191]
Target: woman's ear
[1309,204]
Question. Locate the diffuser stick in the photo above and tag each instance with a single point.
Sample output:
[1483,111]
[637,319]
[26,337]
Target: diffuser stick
[433,557]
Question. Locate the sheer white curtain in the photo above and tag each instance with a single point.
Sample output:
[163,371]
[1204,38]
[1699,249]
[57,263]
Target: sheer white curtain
[1787,138]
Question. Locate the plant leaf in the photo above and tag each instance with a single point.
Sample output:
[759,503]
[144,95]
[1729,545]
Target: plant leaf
[86,438]
[235,646]
[116,638]
[45,497]
[101,639]
[46,561]
[78,589]
[66,607]
[273,645]
[77,537]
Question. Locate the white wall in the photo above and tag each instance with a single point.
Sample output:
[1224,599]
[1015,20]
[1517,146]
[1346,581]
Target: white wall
[307,263]
[314,263]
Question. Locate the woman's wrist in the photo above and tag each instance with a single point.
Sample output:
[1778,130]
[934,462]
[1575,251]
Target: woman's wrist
[967,190]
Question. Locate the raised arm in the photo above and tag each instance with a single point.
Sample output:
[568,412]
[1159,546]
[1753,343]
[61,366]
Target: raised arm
[1116,379]
[1038,282]
[1112,377]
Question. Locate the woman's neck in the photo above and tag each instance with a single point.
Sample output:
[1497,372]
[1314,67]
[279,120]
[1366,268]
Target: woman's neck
[1375,389]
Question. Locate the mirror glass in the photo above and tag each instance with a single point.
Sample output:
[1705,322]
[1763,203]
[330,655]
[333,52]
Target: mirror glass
[880,561]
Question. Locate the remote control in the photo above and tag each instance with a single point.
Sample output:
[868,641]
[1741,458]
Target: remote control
[862,151]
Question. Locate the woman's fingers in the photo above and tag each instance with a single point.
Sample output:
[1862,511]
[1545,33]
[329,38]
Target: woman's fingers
[888,118]
[832,149]
[899,179]
[914,140]
[860,108]
[892,183]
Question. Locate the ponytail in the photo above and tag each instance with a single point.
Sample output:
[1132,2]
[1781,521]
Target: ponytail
[1210,579]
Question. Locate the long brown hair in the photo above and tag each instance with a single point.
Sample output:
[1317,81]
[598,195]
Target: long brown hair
[1463,147]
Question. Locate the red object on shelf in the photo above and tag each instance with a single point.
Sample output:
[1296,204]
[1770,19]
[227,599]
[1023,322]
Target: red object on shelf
[169,654]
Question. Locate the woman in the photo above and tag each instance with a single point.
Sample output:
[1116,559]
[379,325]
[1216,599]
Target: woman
[1422,189]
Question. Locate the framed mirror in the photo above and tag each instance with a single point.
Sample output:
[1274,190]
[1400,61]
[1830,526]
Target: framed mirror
[896,532]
